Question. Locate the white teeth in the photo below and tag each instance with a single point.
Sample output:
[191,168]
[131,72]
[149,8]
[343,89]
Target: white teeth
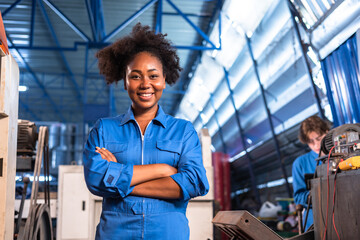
[146,94]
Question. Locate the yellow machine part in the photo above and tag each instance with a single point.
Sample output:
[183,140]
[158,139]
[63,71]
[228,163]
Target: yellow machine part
[350,163]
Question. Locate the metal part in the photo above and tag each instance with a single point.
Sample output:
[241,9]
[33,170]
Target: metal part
[26,181]
[27,136]
[332,137]
[242,225]
[38,224]
[344,213]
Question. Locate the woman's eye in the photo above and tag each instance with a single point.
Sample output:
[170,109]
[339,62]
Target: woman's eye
[153,76]
[135,77]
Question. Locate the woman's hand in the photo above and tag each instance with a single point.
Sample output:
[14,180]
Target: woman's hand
[106,154]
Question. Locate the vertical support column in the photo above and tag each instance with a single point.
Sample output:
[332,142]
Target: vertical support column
[9,99]
[159,13]
[277,147]
[306,60]
[85,89]
[243,142]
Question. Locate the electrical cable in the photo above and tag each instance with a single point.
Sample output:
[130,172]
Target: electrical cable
[333,209]
[328,192]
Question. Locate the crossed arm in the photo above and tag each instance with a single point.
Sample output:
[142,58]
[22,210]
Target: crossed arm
[152,180]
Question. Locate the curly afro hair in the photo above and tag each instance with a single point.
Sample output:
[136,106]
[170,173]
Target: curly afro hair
[113,59]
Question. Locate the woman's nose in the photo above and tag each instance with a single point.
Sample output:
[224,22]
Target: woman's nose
[145,83]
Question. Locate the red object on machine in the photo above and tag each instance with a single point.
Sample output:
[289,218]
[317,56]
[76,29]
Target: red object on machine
[3,40]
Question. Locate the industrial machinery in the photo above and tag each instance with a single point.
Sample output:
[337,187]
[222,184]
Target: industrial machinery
[341,148]
[334,194]
[38,222]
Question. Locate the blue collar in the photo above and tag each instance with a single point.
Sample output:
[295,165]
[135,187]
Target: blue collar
[160,117]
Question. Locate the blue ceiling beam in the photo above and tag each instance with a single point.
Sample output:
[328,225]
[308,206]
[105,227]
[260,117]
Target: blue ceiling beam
[159,14]
[53,34]
[199,48]
[268,113]
[6,11]
[91,19]
[67,20]
[197,29]
[38,82]
[305,60]
[128,21]
[187,14]
[243,141]
[98,13]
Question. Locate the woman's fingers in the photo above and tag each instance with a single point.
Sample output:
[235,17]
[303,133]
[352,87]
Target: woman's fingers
[106,154]
[98,150]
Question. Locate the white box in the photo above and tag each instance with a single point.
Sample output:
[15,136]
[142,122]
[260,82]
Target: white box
[200,215]
[205,141]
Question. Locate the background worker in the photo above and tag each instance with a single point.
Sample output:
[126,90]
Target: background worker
[312,131]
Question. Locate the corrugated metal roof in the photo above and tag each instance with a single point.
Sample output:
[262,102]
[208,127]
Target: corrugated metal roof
[51,50]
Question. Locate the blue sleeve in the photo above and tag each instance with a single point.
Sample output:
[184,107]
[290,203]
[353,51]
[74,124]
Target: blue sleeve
[103,178]
[300,192]
[191,176]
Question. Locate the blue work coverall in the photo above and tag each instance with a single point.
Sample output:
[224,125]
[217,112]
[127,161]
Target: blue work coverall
[303,164]
[166,140]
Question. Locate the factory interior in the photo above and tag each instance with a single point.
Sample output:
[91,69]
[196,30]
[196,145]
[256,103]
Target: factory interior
[252,72]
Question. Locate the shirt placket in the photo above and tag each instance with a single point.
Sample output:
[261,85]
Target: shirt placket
[142,163]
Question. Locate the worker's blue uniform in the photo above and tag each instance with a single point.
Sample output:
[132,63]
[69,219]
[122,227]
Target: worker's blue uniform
[166,140]
[303,164]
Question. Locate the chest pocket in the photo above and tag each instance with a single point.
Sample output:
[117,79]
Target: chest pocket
[118,149]
[168,152]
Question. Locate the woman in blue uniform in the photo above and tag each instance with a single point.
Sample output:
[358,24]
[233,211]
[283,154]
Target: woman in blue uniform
[144,163]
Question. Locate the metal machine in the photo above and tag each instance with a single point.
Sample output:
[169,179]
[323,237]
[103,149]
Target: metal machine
[335,193]
[38,223]
[334,189]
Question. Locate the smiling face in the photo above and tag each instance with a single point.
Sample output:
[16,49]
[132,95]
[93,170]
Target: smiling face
[144,82]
